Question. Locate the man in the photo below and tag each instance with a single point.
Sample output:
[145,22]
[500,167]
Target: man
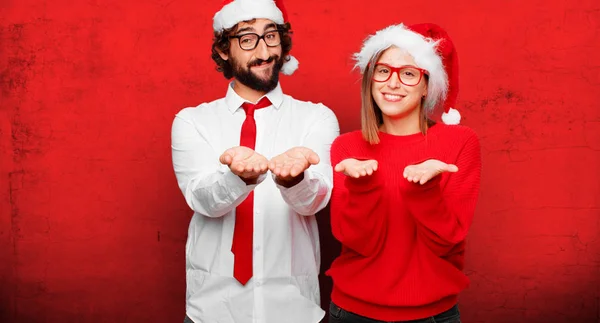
[254,166]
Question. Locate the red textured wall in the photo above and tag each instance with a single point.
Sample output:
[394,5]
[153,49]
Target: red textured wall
[93,226]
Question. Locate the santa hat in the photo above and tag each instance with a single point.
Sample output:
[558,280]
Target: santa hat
[236,11]
[433,50]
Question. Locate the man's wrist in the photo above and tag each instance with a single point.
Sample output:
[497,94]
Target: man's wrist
[289,182]
[249,181]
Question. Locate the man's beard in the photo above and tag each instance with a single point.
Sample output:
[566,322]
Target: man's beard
[249,79]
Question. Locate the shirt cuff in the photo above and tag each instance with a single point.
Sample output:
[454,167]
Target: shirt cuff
[303,189]
[237,186]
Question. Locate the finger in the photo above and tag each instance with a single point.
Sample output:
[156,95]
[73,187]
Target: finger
[417,178]
[348,172]
[277,165]
[370,171]
[451,168]
[353,173]
[304,151]
[263,166]
[363,172]
[280,167]
[276,170]
[407,171]
[375,165]
[370,167]
[296,170]
[410,176]
[339,167]
[313,158]
[240,167]
[424,179]
[236,168]
[293,169]
[256,164]
[226,158]
[285,171]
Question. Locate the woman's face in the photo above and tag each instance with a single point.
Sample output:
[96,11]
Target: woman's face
[395,99]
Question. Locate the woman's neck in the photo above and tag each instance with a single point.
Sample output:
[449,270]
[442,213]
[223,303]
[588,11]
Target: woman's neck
[402,126]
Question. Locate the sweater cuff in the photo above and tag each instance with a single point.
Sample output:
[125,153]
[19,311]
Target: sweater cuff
[364,183]
[419,190]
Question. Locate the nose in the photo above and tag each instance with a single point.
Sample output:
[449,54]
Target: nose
[394,81]
[262,50]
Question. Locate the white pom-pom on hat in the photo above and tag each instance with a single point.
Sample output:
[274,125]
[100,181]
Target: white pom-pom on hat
[290,66]
[452,116]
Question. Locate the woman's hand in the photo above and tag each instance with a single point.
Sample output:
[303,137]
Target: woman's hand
[425,171]
[356,168]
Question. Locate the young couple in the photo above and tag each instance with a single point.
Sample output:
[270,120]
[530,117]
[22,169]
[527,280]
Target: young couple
[256,165]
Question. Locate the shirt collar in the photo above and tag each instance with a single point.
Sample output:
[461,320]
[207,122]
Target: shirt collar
[234,101]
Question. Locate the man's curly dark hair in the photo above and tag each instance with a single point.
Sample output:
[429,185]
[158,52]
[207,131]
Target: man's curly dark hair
[221,41]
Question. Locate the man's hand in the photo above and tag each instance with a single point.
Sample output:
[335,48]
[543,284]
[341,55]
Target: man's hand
[356,168]
[289,167]
[425,171]
[245,163]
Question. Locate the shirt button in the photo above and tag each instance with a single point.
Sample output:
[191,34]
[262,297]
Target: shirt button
[257,284]
[257,211]
[257,248]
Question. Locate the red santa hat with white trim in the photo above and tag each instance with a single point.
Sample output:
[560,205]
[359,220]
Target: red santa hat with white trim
[432,49]
[236,11]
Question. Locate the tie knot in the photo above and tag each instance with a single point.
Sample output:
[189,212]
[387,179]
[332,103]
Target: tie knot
[249,107]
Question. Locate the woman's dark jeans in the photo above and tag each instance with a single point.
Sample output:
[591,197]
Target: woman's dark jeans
[339,315]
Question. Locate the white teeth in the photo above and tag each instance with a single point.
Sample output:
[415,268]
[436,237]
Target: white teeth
[392,97]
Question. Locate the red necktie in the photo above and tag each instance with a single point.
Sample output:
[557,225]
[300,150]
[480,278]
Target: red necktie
[244,213]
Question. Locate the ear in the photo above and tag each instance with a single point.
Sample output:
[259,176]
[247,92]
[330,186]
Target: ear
[223,55]
[425,91]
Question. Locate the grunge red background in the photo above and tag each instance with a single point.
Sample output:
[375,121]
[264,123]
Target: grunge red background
[93,226]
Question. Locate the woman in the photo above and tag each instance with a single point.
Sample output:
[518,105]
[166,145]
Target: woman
[405,187]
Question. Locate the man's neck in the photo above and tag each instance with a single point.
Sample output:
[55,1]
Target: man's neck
[247,93]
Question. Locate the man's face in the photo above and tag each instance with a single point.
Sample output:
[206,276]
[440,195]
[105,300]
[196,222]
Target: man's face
[256,68]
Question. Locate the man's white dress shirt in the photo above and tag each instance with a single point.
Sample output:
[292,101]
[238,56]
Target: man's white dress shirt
[286,261]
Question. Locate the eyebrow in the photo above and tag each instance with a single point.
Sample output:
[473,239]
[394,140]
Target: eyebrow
[250,28]
[269,26]
[394,66]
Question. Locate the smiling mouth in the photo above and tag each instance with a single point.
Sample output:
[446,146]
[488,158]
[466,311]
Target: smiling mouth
[263,65]
[392,97]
